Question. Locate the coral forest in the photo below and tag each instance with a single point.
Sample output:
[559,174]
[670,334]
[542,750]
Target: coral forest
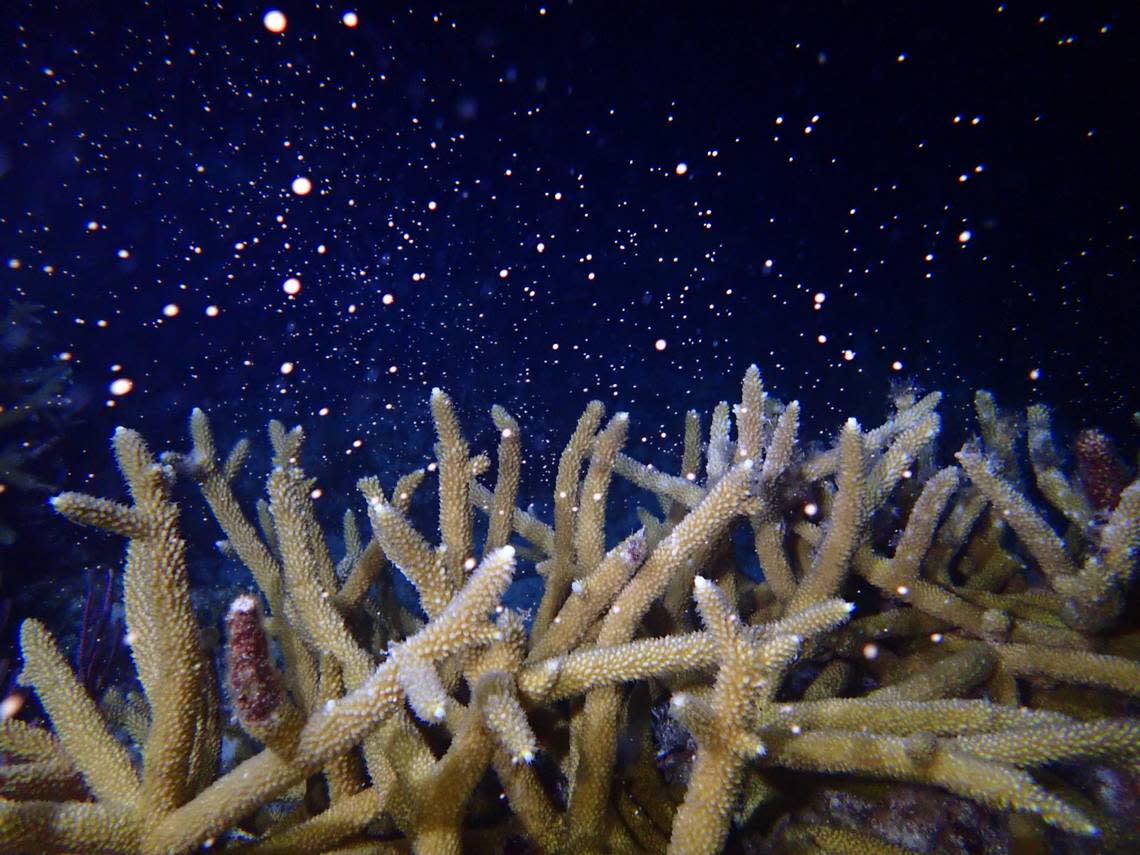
[794,644]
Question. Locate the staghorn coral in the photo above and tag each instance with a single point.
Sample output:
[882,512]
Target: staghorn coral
[947,661]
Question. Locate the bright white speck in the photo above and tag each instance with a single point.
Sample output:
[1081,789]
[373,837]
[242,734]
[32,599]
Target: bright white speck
[302,186]
[212,311]
[275,21]
[540,247]
[1035,374]
[896,366]
[659,345]
[11,706]
[848,355]
[121,386]
[504,273]
[123,253]
[964,236]
[287,367]
[292,286]
[681,168]
[350,19]
[170,310]
[388,299]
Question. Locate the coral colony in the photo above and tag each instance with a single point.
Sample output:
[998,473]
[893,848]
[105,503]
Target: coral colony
[979,648]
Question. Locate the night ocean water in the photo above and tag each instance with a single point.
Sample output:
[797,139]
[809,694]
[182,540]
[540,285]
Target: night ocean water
[318,213]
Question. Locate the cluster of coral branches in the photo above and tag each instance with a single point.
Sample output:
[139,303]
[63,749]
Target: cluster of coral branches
[916,626]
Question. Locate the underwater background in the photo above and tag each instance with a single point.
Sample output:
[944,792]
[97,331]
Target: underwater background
[536,204]
[317,212]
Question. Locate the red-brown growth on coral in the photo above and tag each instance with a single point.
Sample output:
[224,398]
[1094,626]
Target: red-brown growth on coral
[255,688]
[1102,472]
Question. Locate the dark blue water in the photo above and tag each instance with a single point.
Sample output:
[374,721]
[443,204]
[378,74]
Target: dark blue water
[535,205]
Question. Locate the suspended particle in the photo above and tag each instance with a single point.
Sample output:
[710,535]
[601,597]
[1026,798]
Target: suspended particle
[287,367]
[171,310]
[388,299]
[292,286]
[504,273]
[121,386]
[11,705]
[659,345]
[964,236]
[212,311]
[681,168]
[350,19]
[275,21]
[302,186]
